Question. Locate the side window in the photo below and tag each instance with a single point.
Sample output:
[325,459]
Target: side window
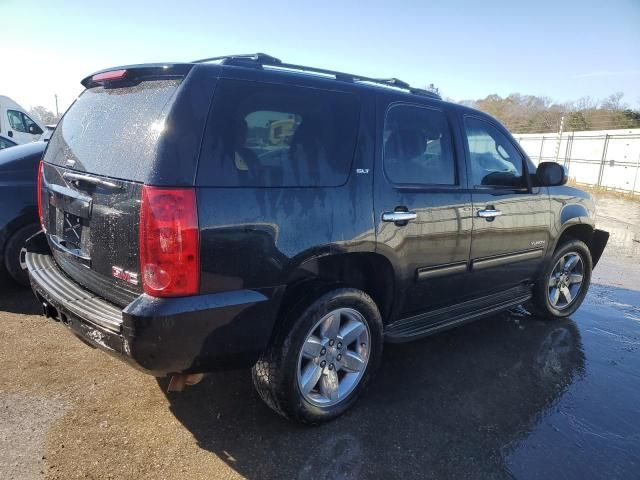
[268,135]
[494,159]
[32,127]
[4,143]
[418,146]
[16,120]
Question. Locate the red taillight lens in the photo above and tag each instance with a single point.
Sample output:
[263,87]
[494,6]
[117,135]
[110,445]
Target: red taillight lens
[109,76]
[39,193]
[169,242]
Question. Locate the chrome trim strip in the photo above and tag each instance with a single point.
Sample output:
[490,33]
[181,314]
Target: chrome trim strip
[425,273]
[489,262]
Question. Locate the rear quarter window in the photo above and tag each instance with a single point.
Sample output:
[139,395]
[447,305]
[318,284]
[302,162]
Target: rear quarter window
[113,132]
[268,135]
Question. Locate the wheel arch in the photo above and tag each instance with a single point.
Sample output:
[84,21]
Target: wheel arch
[370,272]
[27,217]
[596,240]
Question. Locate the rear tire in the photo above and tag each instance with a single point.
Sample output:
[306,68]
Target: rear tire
[564,283]
[308,374]
[14,254]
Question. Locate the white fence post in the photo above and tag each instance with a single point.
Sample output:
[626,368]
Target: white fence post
[559,138]
[635,179]
[604,158]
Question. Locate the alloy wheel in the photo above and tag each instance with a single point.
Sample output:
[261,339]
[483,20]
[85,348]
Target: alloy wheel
[565,281]
[333,357]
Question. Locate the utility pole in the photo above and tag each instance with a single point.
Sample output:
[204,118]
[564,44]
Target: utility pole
[57,112]
[559,138]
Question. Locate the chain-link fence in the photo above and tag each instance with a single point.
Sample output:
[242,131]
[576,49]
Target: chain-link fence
[608,159]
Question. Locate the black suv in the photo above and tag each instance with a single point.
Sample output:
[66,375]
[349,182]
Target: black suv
[239,211]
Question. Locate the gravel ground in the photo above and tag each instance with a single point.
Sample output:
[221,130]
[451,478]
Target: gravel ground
[507,396]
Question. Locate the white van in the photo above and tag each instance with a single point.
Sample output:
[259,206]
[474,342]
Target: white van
[16,124]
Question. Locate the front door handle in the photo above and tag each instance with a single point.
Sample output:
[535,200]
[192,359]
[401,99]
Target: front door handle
[489,213]
[398,216]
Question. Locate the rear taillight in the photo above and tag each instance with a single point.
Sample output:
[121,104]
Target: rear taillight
[169,242]
[39,193]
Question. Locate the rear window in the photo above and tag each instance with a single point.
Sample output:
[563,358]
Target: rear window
[113,132]
[266,135]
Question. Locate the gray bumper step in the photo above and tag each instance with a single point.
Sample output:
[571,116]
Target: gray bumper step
[50,280]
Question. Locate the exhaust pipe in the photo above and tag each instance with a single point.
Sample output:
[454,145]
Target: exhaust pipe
[180,381]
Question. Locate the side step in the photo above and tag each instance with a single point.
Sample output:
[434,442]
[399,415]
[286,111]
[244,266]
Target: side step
[424,324]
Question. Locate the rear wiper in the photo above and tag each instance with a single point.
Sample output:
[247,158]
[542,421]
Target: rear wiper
[78,177]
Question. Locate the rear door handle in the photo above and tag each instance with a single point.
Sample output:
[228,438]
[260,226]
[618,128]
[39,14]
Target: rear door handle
[489,213]
[398,216]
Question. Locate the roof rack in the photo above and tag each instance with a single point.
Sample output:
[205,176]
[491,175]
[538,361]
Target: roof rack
[263,60]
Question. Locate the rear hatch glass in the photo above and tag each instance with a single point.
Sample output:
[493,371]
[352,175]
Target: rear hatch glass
[113,132]
[104,148]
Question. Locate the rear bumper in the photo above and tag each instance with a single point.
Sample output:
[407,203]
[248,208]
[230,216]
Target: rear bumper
[161,335]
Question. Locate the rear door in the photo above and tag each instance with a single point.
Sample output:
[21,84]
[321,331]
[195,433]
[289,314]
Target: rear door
[102,152]
[422,206]
[511,218]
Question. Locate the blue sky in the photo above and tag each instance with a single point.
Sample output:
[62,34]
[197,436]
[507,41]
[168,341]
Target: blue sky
[560,49]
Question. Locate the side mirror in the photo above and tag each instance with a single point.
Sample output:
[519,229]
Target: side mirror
[34,130]
[550,174]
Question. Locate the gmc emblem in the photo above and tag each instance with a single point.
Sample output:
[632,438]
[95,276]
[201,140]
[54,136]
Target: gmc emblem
[122,274]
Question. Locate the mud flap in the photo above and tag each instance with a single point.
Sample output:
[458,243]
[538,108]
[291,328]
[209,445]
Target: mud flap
[598,242]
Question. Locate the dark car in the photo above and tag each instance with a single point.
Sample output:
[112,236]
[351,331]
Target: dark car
[6,143]
[18,206]
[240,211]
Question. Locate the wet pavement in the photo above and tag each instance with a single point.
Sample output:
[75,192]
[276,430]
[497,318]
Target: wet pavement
[510,396]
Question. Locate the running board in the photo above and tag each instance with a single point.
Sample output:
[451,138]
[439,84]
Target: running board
[425,324]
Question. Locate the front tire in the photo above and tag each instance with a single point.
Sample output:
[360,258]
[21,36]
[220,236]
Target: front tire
[564,283]
[323,357]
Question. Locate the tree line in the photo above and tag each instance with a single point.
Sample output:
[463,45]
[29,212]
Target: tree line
[523,113]
[532,114]
[43,114]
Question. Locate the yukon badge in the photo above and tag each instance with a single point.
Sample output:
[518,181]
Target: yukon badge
[122,274]
[538,243]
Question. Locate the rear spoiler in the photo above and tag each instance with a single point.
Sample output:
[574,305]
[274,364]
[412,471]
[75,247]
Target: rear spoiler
[133,74]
